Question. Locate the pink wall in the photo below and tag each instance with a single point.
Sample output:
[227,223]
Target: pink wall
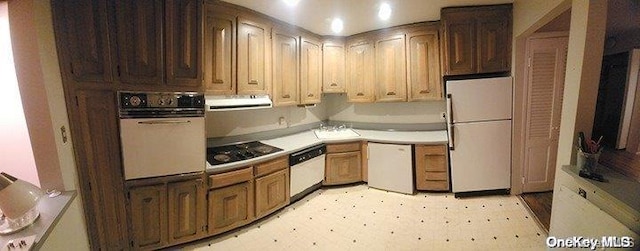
[16,156]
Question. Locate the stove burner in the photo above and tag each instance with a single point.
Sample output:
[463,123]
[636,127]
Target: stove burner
[222,157]
[263,149]
[243,151]
[243,146]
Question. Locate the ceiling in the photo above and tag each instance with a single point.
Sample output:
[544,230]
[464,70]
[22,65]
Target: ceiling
[358,15]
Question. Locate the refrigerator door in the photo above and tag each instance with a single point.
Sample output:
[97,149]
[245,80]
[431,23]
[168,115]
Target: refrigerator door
[482,156]
[480,99]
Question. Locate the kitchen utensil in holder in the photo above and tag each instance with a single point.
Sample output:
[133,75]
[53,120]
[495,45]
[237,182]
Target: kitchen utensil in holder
[588,165]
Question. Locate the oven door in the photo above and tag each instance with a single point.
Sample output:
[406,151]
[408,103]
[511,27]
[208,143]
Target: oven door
[154,147]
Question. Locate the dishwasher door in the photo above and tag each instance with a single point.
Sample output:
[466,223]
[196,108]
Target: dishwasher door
[154,147]
[306,174]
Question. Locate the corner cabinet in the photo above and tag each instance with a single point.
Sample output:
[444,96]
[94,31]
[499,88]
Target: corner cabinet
[343,164]
[390,73]
[432,167]
[285,67]
[310,70]
[423,64]
[253,56]
[477,39]
[333,62]
[360,71]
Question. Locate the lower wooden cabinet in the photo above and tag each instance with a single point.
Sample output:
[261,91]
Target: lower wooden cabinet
[167,213]
[230,207]
[432,167]
[343,164]
[272,192]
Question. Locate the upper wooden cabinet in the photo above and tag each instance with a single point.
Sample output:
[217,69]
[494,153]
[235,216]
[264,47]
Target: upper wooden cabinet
[219,50]
[360,71]
[477,39]
[285,67]
[310,70]
[253,56]
[85,53]
[333,78]
[390,73]
[423,64]
[140,41]
[183,24]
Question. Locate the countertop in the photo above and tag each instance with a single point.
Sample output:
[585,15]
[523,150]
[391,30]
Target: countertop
[295,142]
[51,210]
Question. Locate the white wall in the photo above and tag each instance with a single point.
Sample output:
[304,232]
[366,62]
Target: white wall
[396,112]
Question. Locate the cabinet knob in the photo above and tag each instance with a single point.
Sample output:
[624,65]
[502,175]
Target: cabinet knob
[360,94]
[391,93]
[310,95]
[424,91]
[334,84]
[286,96]
[253,82]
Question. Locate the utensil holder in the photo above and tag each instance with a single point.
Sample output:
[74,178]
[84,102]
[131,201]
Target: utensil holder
[588,161]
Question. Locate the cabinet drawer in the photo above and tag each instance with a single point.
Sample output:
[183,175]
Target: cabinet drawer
[436,176]
[433,185]
[345,147]
[272,166]
[230,178]
[434,150]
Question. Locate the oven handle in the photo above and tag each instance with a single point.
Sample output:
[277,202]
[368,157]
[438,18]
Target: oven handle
[164,122]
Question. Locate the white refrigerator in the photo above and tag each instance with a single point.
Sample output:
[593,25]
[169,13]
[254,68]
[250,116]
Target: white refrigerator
[479,128]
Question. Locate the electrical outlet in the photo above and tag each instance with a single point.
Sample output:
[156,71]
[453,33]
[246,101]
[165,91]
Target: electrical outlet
[282,121]
[582,192]
[443,115]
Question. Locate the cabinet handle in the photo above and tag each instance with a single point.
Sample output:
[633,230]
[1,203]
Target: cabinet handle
[424,91]
[360,94]
[310,95]
[334,84]
[218,81]
[286,96]
[164,122]
[253,82]
[391,93]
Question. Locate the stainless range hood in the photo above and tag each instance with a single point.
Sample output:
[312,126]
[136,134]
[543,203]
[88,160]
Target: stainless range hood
[237,102]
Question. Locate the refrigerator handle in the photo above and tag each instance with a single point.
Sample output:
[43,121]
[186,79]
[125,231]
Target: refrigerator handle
[450,122]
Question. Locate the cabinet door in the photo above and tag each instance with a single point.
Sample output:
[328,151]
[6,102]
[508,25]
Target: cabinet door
[285,68]
[253,57]
[149,216]
[83,40]
[460,42]
[343,168]
[140,47]
[494,43]
[310,71]
[183,42]
[391,75]
[272,192]
[360,72]
[423,65]
[230,207]
[99,166]
[432,168]
[333,78]
[219,51]
[187,210]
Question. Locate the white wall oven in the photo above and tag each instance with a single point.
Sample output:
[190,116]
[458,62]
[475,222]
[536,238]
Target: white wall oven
[162,133]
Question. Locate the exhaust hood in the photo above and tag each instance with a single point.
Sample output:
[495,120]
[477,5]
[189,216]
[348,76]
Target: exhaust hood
[237,102]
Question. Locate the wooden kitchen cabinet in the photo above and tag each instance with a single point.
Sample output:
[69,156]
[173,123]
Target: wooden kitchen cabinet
[343,164]
[187,210]
[148,208]
[253,56]
[272,192]
[477,39]
[231,200]
[390,73]
[333,64]
[219,50]
[310,69]
[432,167]
[183,22]
[139,36]
[423,64]
[360,71]
[285,67]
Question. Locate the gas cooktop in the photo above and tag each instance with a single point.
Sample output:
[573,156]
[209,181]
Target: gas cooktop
[237,152]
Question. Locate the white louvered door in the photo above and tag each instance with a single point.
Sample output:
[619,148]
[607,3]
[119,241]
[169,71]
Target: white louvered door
[544,86]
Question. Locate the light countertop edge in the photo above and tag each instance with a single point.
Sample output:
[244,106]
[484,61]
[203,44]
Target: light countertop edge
[296,142]
[51,211]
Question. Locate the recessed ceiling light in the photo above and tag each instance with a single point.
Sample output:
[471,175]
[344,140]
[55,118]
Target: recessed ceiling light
[337,25]
[291,2]
[385,11]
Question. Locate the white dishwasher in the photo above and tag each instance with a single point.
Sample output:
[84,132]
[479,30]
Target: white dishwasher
[307,171]
[390,167]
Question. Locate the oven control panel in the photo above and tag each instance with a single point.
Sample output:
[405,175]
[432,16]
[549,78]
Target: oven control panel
[154,104]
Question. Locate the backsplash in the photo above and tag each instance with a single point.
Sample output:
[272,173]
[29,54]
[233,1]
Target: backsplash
[396,112]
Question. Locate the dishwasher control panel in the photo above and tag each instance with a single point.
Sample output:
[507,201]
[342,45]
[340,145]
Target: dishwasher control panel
[307,154]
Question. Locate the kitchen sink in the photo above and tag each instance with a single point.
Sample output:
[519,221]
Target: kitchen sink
[336,134]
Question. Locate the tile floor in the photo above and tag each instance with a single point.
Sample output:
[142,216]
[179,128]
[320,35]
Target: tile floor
[363,218]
